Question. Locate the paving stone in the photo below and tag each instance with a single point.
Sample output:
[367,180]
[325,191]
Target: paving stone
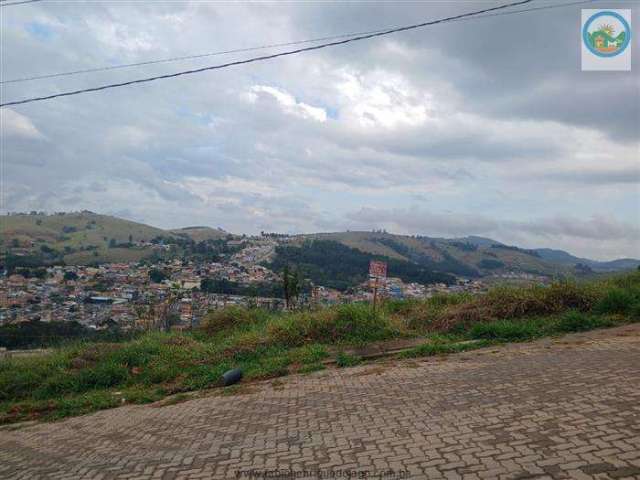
[530,411]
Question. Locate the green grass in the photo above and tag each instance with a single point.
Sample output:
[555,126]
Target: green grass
[508,330]
[344,359]
[442,348]
[84,377]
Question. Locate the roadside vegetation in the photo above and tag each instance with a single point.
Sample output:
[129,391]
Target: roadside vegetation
[84,377]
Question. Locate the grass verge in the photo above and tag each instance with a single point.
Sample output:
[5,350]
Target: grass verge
[86,377]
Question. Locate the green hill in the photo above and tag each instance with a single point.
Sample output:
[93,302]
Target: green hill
[87,237]
[463,256]
[335,265]
[77,238]
[199,234]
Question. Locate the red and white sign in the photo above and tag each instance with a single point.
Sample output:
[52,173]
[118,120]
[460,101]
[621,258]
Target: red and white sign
[378,269]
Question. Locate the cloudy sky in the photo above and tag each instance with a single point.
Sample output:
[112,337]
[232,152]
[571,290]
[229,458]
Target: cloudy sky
[484,127]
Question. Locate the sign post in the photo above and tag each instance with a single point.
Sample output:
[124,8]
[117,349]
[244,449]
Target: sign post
[377,271]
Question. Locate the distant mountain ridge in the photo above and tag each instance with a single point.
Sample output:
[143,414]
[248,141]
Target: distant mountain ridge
[87,237]
[473,254]
[560,256]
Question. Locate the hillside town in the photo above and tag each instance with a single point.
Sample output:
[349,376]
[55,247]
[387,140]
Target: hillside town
[177,293]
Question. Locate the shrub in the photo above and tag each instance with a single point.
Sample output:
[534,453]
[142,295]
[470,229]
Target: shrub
[507,330]
[627,281]
[574,321]
[245,344]
[345,323]
[308,354]
[228,317]
[616,300]
[420,314]
[103,375]
[273,363]
[509,302]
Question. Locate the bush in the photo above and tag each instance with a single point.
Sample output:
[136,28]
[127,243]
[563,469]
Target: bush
[628,281]
[503,303]
[420,314]
[308,354]
[354,323]
[103,375]
[616,300]
[574,321]
[228,317]
[347,360]
[507,330]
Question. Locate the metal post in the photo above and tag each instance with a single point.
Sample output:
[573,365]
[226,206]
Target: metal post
[375,294]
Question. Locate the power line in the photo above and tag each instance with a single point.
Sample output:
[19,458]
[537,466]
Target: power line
[265,57]
[262,47]
[186,57]
[3,4]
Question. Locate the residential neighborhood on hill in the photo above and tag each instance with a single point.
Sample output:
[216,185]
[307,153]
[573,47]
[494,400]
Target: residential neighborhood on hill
[105,272]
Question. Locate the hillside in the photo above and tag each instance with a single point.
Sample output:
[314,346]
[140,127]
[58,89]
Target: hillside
[199,234]
[469,256]
[87,237]
[333,264]
[564,258]
[79,237]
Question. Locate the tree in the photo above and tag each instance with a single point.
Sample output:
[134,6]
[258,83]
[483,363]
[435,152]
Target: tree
[171,320]
[295,284]
[285,285]
[157,276]
[291,284]
[70,276]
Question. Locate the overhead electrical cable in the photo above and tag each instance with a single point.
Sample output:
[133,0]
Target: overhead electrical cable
[262,47]
[367,36]
[9,4]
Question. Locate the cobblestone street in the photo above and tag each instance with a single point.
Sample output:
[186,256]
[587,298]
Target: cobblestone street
[556,408]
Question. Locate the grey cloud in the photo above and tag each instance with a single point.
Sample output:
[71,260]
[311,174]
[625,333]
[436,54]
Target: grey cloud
[422,221]
[598,236]
[598,227]
[603,177]
[134,149]
[534,74]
